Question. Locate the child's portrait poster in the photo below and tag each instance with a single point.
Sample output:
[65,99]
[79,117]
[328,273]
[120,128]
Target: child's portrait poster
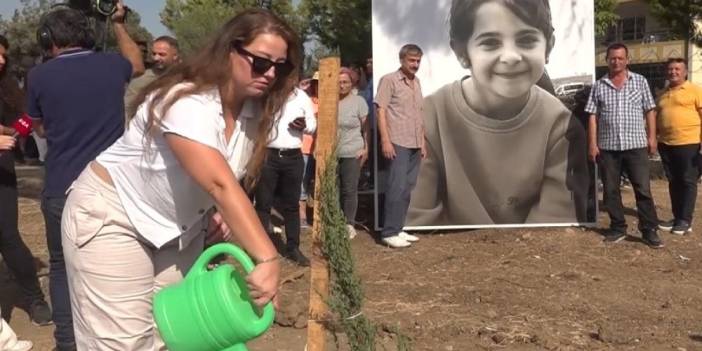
[504,84]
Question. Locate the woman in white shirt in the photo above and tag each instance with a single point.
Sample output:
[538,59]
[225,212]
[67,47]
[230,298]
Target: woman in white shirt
[138,216]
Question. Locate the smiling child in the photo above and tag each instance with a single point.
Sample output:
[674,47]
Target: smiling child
[501,150]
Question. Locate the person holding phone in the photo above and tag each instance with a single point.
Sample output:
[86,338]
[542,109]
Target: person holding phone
[282,171]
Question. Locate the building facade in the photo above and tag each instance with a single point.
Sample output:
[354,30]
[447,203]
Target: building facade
[650,45]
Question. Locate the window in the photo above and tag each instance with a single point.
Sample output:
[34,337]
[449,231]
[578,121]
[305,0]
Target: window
[633,28]
[627,29]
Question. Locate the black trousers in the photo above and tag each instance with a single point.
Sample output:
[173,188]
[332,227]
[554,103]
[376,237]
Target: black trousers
[680,163]
[635,163]
[14,252]
[281,175]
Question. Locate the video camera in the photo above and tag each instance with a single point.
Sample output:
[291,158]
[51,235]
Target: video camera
[94,8]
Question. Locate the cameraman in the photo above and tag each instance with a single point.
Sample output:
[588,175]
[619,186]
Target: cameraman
[76,100]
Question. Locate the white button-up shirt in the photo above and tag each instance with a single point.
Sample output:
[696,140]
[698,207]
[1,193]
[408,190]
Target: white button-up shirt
[161,199]
[282,136]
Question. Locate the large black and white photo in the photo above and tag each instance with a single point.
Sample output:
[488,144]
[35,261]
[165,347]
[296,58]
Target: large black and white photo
[502,149]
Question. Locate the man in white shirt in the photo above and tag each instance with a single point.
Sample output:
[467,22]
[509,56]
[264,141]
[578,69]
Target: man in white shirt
[281,176]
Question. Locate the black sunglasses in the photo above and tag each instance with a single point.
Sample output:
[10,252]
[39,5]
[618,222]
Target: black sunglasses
[261,65]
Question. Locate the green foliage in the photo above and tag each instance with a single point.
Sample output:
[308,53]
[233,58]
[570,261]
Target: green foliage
[680,16]
[21,29]
[312,59]
[403,342]
[605,17]
[136,31]
[342,24]
[346,292]
[194,21]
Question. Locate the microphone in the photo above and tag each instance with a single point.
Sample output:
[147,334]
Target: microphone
[22,126]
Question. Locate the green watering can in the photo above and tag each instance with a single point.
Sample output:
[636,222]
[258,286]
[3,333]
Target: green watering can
[211,310]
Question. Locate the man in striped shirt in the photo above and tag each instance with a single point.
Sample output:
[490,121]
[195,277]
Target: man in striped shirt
[621,135]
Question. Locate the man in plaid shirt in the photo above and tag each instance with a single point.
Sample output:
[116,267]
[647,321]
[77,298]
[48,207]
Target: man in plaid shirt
[621,135]
[401,128]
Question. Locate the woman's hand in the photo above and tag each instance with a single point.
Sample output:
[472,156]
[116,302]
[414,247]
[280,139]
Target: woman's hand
[7,142]
[217,230]
[388,150]
[235,208]
[362,156]
[263,282]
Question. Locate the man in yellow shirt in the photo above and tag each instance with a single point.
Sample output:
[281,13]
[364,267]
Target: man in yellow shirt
[679,129]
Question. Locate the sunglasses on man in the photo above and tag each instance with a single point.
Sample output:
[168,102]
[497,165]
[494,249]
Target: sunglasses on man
[261,65]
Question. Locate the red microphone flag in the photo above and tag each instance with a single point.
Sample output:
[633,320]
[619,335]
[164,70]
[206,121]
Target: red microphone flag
[23,126]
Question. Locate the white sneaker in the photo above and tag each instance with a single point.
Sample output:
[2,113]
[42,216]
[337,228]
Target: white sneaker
[21,345]
[408,237]
[351,230]
[396,242]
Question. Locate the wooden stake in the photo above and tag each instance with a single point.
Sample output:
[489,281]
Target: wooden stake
[324,146]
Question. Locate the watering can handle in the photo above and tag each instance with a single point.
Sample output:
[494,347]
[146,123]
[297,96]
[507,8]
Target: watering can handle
[200,267]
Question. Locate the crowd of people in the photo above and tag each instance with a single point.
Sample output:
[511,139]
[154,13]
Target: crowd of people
[146,167]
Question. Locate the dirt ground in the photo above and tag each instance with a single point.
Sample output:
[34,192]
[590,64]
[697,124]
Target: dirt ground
[525,289]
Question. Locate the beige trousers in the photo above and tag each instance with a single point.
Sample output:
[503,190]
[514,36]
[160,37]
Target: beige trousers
[113,272]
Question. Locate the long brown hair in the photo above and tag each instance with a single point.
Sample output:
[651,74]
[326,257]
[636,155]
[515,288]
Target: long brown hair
[10,93]
[211,68]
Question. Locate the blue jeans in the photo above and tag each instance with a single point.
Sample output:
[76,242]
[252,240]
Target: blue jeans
[52,208]
[307,175]
[402,177]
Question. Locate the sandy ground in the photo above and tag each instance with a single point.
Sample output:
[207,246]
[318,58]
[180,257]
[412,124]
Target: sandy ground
[525,289]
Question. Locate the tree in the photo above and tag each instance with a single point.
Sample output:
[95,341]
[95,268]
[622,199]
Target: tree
[136,31]
[342,24]
[21,30]
[193,21]
[680,16]
[605,16]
